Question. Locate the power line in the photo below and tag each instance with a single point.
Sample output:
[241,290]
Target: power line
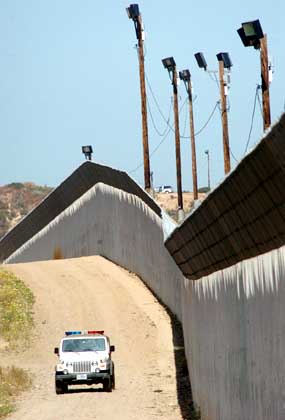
[233,156]
[159,109]
[252,118]
[155,100]
[153,152]
[185,121]
[153,122]
[208,120]
[215,79]
[160,143]
[259,100]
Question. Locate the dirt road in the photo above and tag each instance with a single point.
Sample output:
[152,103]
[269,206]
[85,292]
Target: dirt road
[93,293]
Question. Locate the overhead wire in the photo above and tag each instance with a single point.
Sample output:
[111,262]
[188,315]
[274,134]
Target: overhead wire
[252,118]
[167,121]
[259,100]
[185,122]
[153,151]
[208,120]
[153,122]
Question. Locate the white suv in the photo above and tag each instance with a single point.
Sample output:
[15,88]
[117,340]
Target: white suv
[84,358]
[166,189]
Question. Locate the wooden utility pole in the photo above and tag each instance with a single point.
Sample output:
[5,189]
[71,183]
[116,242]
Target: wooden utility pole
[226,147]
[143,106]
[177,140]
[193,147]
[265,82]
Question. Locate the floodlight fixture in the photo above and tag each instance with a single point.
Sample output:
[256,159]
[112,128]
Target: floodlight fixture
[169,63]
[185,75]
[201,60]
[133,11]
[87,151]
[250,33]
[225,58]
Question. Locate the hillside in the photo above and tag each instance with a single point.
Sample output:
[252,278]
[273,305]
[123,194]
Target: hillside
[17,200]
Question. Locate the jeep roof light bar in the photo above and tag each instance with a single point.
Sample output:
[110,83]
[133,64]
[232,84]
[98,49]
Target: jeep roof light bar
[67,333]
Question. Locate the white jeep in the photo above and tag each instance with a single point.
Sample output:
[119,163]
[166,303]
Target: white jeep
[84,358]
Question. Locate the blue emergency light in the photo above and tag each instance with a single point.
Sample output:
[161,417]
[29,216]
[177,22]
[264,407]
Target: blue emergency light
[72,332]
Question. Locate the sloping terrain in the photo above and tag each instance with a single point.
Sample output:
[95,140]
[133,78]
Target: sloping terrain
[93,293]
[17,200]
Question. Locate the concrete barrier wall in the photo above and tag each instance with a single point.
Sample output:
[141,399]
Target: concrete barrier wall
[120,226]
[234,330]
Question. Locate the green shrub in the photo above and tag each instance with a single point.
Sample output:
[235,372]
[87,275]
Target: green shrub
[16,303]
[16,185]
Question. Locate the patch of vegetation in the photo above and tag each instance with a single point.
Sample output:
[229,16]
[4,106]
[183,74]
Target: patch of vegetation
[16,185]
[16,321]
[16,304]
[17,200]
[203,189]
[13,381]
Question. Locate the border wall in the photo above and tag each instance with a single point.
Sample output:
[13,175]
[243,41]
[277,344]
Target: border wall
[231,248]
[234,332]
[72,188]
[242,218]
[119,226]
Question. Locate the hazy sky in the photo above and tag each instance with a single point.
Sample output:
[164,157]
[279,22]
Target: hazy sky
[69,77]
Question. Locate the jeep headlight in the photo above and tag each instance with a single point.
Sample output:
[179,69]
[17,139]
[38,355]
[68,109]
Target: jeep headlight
[60,367]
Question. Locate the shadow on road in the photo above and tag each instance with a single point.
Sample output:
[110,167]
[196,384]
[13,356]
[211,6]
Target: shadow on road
[183,383]
[83,390]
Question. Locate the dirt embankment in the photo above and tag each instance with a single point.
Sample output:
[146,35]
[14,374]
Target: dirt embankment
[92,293]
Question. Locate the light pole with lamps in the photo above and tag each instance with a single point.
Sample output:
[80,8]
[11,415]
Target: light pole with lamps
[170,65]
[134,14]
[224,63]
[252,35]
[186,77]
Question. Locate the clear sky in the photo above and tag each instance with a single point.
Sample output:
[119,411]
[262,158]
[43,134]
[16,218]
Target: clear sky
[69,77]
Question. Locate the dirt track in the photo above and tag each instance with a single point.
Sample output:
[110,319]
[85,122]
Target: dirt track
[93,293]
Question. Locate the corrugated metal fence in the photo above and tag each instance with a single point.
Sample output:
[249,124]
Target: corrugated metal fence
[80,181]
[242,218]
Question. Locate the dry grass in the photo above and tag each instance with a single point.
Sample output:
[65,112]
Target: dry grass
[16,321]
[13,381]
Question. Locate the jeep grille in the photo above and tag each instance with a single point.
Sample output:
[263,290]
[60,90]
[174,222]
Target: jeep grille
[81,367]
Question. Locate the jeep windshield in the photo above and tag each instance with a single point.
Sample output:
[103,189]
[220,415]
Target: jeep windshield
[84,344]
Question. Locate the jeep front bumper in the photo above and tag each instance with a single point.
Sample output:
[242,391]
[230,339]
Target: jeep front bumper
[85,378]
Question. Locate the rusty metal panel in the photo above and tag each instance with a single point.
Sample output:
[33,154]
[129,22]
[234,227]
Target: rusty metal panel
[242,218]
